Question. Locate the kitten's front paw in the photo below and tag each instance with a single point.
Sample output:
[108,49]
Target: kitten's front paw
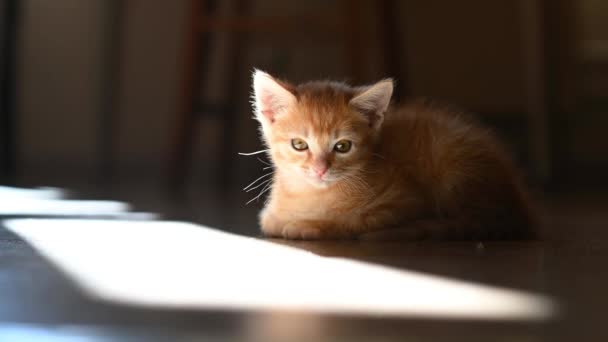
[300,231]
[270,225]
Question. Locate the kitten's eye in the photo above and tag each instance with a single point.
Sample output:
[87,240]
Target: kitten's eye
[343,146]
[299,144]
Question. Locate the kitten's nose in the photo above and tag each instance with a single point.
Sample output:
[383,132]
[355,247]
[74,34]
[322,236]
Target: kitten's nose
[320,169]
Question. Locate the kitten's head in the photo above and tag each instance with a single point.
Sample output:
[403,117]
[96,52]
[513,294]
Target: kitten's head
[321,132]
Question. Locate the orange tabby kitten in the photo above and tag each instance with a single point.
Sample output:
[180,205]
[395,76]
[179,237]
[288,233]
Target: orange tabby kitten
[348,166]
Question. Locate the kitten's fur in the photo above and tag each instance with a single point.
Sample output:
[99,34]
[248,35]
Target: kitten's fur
[413,172]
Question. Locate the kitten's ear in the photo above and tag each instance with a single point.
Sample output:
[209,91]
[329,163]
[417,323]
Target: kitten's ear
[270,97]
[372,101]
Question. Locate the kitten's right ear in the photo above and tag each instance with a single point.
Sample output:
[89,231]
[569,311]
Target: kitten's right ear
[271,98]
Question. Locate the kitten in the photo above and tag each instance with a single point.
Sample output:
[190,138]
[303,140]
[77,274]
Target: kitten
[348,166]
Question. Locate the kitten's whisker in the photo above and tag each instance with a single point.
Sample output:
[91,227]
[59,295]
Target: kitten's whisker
[378,155]
[253,153]
[268,167]
[264,162]
[255,181]
[265,182]
[266,188]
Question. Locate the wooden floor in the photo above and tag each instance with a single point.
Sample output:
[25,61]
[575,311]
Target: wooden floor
[569,265]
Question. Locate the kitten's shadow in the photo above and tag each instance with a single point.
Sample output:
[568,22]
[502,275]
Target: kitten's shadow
[514,264]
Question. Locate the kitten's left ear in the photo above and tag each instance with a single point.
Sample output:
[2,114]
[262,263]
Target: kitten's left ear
[271,98]
[372,101]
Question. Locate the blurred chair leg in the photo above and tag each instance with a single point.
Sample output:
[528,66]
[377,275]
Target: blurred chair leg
[354,51]
[110,90]
[234,72]
[536,93]
[181,150]
[392,40]
[8,120]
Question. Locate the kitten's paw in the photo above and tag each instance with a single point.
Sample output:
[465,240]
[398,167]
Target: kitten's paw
[299,231]
[271,226]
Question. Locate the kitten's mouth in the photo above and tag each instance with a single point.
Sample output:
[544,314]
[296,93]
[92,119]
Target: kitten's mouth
[320,181]
[316,180]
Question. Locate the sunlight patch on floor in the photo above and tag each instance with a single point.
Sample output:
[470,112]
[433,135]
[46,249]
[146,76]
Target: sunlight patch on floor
[50,202]
[182,265]
[8,193]
[44,207]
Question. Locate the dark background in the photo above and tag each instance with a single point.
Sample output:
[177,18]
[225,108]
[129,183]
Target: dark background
[147,101]
[97,89]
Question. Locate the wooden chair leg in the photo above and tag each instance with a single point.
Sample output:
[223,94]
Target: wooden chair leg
[391,37]
[533,36]
[354,51]
[182,147]
[235,70]
[8,119]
